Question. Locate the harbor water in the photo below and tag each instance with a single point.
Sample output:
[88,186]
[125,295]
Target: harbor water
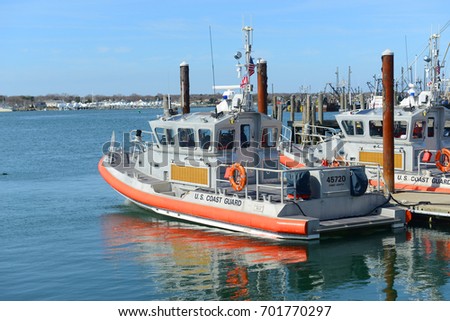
[66,235]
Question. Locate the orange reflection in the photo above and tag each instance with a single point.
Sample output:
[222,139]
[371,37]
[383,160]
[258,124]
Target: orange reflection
[120,230]
[238,278]
[436,247]
[198,249]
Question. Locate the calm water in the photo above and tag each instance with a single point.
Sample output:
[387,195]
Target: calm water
[66,235]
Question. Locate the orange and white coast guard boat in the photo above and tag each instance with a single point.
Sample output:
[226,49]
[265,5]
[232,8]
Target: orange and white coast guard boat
[421,137]
[222,169]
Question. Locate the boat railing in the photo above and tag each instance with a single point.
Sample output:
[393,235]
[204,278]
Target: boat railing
[140,143]
[271,189]
[286,139]
[147,137]
[314,134]
[265,190]
[425,161]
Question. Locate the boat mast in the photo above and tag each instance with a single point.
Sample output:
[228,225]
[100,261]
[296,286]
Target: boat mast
[248,38]
[433,69]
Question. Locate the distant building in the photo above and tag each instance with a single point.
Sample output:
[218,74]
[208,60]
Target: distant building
[40,105]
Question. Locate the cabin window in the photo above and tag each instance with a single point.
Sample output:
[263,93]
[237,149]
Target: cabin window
[160,135]
[353,127]
[348,127]
[205,138]
[164,135]
[359,128]
[226,139]
[245,136]
[269,137]
[186,137]
[447,129]
[418,129]
[400,129]
[376,128]
[170,136]
[430,127]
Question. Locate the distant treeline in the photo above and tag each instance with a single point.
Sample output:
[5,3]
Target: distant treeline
[27,101]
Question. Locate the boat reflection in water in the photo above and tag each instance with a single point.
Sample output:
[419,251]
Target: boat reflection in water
[189,262]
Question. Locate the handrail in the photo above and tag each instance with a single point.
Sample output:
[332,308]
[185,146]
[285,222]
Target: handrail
[286,138]
[148,142]
[371,164]
[140,145]
[281,178]
[419,157]
[312,133]
[257,184]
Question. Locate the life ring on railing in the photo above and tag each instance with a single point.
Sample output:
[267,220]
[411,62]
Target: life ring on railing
[238,184]
[442,160]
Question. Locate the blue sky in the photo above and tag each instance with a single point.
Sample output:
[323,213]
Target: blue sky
[84,47]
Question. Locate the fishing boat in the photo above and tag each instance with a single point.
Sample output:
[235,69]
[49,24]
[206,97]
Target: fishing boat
[421,137]
[222,169]
[5,109]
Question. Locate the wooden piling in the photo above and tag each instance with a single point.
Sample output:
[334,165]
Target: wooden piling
[279,110]
[320,108]
[361,101]
[312,109]
[184,84]
[304,114]
[166,106]
[262,86]
[307,107]
[292,108]
[388,120]
[274,107]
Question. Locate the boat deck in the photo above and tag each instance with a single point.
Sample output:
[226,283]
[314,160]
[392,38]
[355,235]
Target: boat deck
[270,192]
[355,222]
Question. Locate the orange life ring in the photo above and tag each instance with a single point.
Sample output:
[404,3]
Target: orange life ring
[442,160]
[238,184]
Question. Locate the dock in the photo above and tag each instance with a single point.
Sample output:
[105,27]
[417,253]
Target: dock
[434,205]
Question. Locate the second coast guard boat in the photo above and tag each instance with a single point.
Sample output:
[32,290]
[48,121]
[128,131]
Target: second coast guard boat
[421,136]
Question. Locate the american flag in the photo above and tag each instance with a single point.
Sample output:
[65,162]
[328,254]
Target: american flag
[438,68]
[244,81]
[251,67]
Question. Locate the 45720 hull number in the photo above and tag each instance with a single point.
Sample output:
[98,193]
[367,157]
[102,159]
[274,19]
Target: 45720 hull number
[336,179]
[295,310]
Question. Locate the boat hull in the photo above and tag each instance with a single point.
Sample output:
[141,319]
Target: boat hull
[205,208]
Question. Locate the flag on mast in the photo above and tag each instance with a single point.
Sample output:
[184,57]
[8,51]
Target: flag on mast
[438,68]
[244,81]
[251,67]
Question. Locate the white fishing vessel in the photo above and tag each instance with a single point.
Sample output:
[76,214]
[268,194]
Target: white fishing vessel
[421,137]
[222,169]
[5,109]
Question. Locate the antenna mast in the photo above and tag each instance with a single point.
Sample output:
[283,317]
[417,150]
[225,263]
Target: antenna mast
[212,61]
[248,39]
